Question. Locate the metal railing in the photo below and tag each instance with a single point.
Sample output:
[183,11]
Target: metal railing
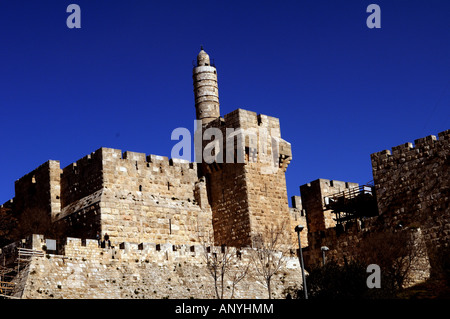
[26,254]
[6,287]
[348,194]
[353,203]
[9,275]
[6,281]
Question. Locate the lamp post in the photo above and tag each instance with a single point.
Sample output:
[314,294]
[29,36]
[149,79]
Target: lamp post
[324,249]
[298,229]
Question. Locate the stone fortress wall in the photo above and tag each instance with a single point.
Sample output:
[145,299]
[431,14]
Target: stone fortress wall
[245,198]
[413,188]
[40,189]
[138,198]
[141,271]
[134,197]
[130,196]
[313,202]
[412,193]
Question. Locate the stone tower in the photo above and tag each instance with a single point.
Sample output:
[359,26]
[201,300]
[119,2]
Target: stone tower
[206,90]
[247,195]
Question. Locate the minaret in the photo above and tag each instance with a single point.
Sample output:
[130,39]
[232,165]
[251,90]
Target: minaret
[206,90]
[247,197]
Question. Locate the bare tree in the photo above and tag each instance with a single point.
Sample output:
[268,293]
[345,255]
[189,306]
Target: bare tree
[399,254]
[224,264]
[238,271]
[267,255]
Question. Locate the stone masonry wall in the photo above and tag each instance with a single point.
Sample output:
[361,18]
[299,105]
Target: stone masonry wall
[227,191]
[151,198]
[130,196]
[141,271]
[313,194]
[82,217]
[298,217]
[412,191]
[82,178]
[39,189]
[413,187]
[246,199]
[268,203]
[345,247]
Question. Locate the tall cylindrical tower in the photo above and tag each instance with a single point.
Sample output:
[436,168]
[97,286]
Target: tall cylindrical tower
[206,90]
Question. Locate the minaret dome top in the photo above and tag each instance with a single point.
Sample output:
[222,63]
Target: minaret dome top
[203,58]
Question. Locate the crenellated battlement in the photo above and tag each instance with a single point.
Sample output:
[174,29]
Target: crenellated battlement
[157,208]
[411,184]
[44,167]
[259,126]
[409,150]
[110,154]
[8,203]
[84,161]
[82,248]
[128,194]
[82,269]
[142,159]
[244,119]
[40,188]
[445,135]
[313,198]
[425,141]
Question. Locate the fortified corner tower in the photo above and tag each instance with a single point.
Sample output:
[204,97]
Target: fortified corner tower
[246,200]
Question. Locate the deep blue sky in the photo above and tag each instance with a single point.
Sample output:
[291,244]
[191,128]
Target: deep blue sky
[124,80]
